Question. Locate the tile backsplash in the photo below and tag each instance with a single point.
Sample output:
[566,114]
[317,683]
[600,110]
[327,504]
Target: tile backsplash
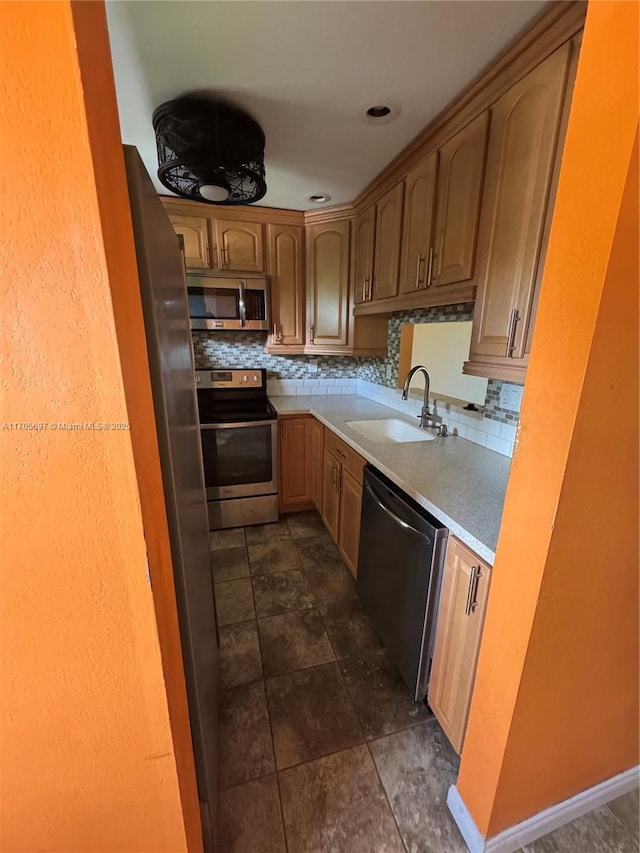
[289,374]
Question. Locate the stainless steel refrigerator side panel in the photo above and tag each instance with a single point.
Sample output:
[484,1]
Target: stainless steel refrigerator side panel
[166,315]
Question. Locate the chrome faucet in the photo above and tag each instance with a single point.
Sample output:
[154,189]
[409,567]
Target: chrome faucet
[425,415]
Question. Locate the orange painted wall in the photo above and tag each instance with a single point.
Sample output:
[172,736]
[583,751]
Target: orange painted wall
[87,755]
[555,709]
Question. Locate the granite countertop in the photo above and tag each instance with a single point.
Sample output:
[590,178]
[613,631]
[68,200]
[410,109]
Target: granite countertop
[461,483]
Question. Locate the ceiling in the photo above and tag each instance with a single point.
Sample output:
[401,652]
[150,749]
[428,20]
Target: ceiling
[307,70]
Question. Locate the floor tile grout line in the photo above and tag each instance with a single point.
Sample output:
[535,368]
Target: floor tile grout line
[386,796]
[621,823]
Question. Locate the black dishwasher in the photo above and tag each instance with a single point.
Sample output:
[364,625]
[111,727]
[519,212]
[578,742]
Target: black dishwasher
[400,566]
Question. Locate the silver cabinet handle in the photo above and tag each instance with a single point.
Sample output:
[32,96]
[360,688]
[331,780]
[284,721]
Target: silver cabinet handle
[312,329]
[429,268]
[276,337]
[472,592]
[340,481]
[511,332]
[420,259]
[367,287]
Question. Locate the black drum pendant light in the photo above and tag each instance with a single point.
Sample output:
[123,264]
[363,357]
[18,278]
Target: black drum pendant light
[209,151]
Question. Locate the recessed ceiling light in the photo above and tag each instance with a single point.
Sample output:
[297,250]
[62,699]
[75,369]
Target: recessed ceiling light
[383,111]
[378,111]
[319,198]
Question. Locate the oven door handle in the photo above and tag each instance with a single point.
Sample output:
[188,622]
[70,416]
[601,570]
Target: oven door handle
[243,306]
[265,422]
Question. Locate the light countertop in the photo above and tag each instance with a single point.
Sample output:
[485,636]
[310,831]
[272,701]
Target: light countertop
[461,483]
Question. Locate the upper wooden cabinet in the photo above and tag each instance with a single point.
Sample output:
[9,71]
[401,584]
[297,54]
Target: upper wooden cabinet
[238,246]
[460,179]
[215,242]
[463,602]
[327,261]
[365,230]
[387,243]
[417,226]
[525,129]
[285,265]
[194,231]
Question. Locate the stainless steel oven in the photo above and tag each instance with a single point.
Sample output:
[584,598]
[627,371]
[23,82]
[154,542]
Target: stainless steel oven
[238,428]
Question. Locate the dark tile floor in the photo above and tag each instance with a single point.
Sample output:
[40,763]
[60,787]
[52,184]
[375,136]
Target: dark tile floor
[321,748]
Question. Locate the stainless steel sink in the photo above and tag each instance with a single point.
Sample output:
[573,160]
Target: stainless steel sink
[390,431]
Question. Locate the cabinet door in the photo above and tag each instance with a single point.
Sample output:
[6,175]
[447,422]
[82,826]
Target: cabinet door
[330,495]
[463,601]
[387,248]
[316,442]
[239,245]
[328,283]
[365,241]
[522,149]
[194,231]
[285,250]
[350,507]
[417,225]
[294,490]
[460,178]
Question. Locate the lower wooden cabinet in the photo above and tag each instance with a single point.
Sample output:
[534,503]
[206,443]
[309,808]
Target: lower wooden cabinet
[342,497]
[350,507]
[295,489]
[300,449]
[331,494]
[315,437]
[463,602]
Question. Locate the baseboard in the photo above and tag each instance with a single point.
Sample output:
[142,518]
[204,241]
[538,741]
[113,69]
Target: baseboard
[546,821]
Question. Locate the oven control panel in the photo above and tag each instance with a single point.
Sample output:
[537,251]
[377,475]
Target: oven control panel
[230,378]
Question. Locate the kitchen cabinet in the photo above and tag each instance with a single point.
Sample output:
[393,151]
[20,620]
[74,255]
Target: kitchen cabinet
[215,242]
[525,130]
[328,256]
[365,231]
[285,266]
[330,494]
[238,245]
[460,180]
[315,437]
[194,231]
[296,475]
[387,243]
[342,497]
[463,602]
[350,509]
[417,225]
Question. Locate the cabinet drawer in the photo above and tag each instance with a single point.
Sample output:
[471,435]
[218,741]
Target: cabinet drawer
[351,461]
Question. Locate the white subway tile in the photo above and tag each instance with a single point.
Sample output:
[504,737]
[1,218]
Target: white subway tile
[303,391]
[460,429]
[500,445]
[489,426]
[508,431]
[468,421]
[473,434]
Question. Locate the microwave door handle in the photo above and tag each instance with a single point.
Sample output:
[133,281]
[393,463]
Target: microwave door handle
[243,307]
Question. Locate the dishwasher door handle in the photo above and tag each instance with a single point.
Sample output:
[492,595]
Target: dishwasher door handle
[393,516]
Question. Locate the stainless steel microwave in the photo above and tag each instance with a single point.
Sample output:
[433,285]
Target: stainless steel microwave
[238,304]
